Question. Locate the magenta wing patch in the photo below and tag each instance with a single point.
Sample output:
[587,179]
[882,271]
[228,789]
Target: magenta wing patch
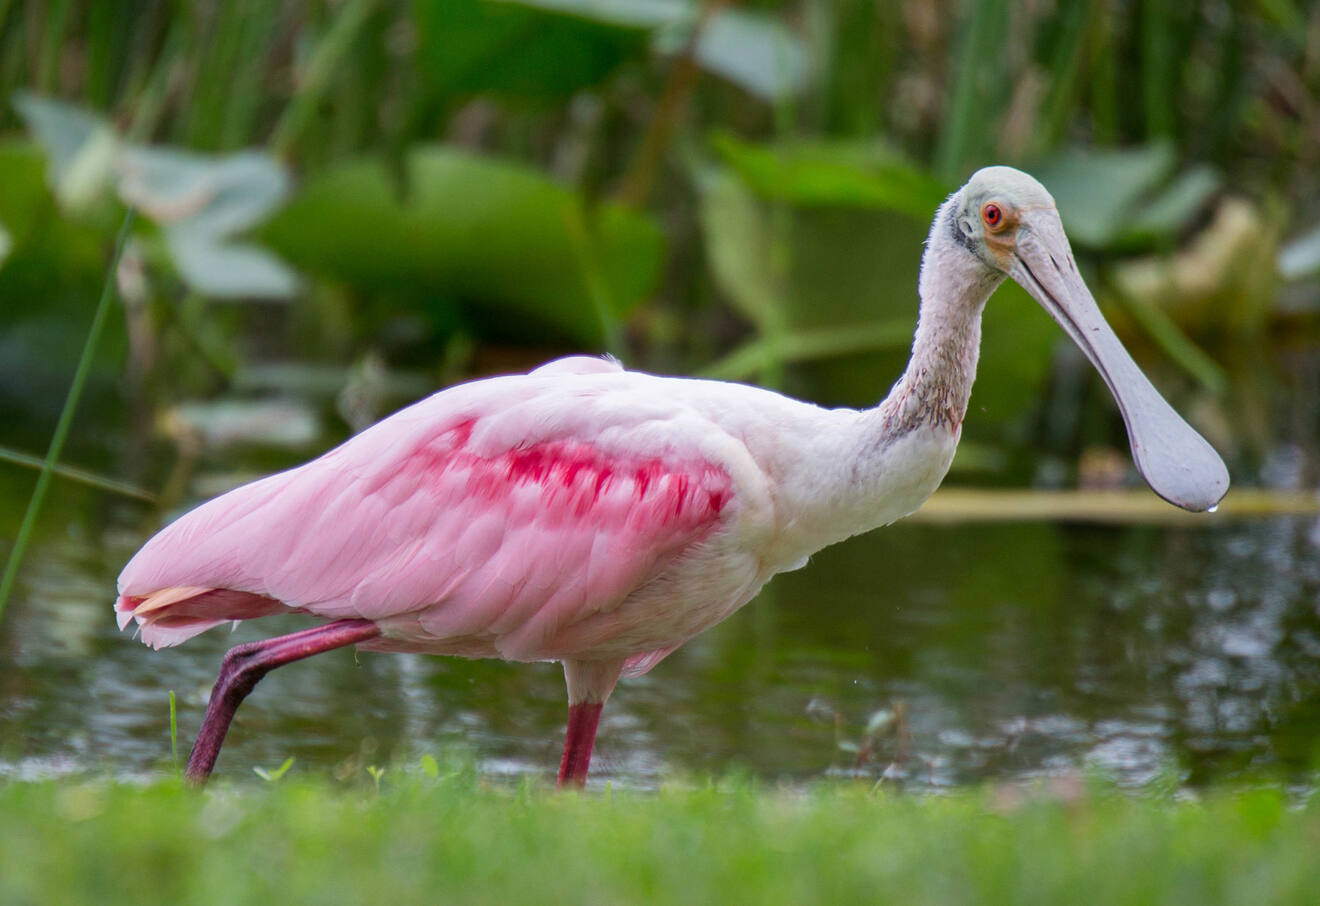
[526,542]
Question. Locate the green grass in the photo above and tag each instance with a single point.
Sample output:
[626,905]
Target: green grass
[451,840]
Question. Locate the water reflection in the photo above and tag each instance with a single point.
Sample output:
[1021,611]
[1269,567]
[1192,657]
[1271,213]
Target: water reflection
[998,651]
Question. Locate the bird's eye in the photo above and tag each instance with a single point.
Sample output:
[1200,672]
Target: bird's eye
[993,216]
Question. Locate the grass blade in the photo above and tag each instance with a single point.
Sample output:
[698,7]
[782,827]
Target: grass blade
[315,80]
[174,736]
[66,417]
[967,133]
[1157,69]
[1177,346]
[81,476]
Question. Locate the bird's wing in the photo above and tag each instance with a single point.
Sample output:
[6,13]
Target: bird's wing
[493,513]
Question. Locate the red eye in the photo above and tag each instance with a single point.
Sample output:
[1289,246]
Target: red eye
[992,216]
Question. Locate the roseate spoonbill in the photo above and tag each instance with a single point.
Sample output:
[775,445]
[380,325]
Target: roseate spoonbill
[600,517]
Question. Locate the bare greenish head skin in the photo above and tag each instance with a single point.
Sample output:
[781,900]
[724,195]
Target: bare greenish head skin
[1009,222]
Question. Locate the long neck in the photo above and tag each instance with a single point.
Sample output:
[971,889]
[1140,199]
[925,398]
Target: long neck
[935,388]
[857,470]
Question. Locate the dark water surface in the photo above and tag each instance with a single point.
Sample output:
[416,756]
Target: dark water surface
[998,651]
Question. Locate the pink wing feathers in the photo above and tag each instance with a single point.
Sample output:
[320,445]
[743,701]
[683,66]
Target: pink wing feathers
[488,516]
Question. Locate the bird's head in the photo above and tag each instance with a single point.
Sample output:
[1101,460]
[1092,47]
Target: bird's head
[998,208]
[1008,222]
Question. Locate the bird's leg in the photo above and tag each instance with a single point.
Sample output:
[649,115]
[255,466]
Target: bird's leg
[589,685]
[582,720]
[245,665]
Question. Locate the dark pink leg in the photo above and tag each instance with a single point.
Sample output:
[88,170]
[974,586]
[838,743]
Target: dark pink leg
[582,720]
[245,665]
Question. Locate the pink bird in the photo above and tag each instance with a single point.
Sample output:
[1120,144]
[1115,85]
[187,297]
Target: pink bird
[601,517]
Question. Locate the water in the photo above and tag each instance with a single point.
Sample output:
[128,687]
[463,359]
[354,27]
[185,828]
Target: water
[1000,652]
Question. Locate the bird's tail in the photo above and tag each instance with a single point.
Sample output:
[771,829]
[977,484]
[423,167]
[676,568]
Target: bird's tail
[173,615]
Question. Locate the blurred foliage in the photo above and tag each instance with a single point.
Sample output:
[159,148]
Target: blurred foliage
[454,187]
[454,234]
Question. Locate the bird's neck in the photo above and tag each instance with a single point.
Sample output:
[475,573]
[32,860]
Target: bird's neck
[883,463]
[934,390]
[906,444]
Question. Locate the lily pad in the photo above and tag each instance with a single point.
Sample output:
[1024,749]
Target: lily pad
[739,252]
[1097,191]
[849,174]
[1169,211]
[547,50]
[752,50]
[525,51]
[521,253]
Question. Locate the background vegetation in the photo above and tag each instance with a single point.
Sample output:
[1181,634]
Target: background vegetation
[360,200]
[344,204]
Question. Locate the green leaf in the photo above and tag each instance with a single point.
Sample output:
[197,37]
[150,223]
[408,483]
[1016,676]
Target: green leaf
[206,194]
[751,50]
[430,767]
[277,773]
[1300,257]
[624,13]
[198,200]
[547,50]
[500,238]
[201,200]
[739,252]
[228,269]
[1097,191]
[523,52]
[809,345]
[25,195]
[833,173]
[81,146]
[1173,208]
[1177,346]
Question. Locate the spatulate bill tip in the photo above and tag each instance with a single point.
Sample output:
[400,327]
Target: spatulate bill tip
[1196,483]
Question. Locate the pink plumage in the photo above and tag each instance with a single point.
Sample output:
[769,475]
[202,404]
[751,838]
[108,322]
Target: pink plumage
[448,537]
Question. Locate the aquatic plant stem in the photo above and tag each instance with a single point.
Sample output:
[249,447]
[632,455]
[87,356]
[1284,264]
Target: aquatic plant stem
[638,180]
[66,416]
[314,80]
[81,476]
[174,736]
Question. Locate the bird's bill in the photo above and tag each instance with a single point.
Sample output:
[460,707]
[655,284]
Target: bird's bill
[1175,460]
